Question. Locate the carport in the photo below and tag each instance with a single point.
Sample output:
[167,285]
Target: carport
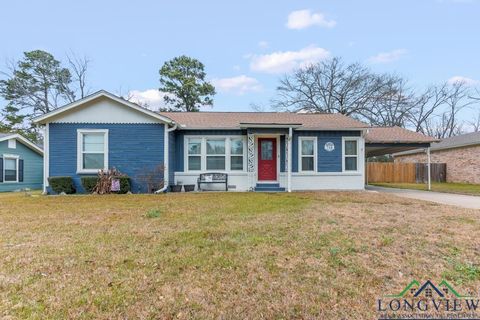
[381,141]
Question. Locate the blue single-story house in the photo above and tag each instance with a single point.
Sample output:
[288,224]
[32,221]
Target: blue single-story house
[21,163]
[258,150]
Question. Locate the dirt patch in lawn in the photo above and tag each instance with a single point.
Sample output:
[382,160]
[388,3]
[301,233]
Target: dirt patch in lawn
[232,255]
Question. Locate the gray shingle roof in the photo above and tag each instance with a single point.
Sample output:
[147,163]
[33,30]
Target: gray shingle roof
[234,120]
[458,141]
[395,135]
[468,139]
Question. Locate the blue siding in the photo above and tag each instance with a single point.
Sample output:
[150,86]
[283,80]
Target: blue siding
[327,161]
[133,148]
[282,153]
[33,167]
[171,157]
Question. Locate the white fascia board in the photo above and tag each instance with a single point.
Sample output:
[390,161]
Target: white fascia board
[102,93]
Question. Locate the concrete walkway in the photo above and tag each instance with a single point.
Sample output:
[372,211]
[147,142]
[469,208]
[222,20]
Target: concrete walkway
[459,200]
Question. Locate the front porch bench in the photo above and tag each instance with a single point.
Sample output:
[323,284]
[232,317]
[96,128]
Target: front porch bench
[213,177]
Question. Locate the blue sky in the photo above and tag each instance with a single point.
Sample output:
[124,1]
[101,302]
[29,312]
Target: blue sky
[247,45]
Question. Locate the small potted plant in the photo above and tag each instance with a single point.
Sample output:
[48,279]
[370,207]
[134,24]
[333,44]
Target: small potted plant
[177,187]
[189,187]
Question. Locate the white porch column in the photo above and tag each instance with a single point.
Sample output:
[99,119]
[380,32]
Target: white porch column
[289,160]
[429,179]
[46,156]
[251,159]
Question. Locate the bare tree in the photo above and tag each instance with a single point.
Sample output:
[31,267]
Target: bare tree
[392,105]
[379,99]
[437,110]
[475,124]
[79,69]
[330,86]
[425,105]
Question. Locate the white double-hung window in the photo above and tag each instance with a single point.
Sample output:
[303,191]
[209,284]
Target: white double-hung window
[236,154]
[10,169]
[194,149]
[214,153]
[350,154]
[307,154]
[92,150]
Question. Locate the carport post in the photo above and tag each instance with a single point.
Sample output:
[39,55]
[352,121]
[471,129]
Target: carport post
[428,169]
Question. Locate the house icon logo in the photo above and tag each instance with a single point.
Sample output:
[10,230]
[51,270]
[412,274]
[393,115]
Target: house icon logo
[428,300]
[428,290]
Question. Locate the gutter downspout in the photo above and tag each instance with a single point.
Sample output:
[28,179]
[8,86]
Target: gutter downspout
[166,157]
[365,163]
[289,173]
[46,157]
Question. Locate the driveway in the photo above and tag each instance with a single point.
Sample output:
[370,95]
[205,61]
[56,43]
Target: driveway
[459,200]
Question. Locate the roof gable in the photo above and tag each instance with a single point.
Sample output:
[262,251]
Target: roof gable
[102,107]
[21,139]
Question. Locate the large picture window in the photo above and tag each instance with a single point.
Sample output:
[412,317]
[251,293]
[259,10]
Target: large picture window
[215,153]
[92,150]
[350,154]
[308,153]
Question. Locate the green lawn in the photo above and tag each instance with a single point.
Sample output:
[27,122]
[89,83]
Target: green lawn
[325,255]
[461,188]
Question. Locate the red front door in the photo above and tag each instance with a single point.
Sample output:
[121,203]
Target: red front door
[267,159]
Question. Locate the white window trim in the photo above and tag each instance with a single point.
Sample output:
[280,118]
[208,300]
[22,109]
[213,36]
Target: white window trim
[10,157]
[315,154]
[226,145]
[203,153]
[187,155]
[357,140]
[80,133]
[243,155]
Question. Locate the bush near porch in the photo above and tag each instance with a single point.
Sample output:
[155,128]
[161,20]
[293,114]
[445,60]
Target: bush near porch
[325,255]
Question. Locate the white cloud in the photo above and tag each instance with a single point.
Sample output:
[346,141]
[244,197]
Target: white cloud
[152,97]
[263,44]
[284,61]
[462,79]
[386,57]
[238,85]
[302,19]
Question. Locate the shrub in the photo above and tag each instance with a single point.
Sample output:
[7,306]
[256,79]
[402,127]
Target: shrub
[88,183]
[153,213]
[62,184]
[124,184]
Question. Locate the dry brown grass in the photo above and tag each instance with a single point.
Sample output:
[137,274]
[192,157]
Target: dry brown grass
[225,255]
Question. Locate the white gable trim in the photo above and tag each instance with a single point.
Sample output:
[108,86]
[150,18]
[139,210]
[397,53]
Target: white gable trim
[23,140]
[102,93]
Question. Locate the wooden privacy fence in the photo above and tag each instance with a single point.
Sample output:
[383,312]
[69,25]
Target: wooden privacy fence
[438,172]
[405,172]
